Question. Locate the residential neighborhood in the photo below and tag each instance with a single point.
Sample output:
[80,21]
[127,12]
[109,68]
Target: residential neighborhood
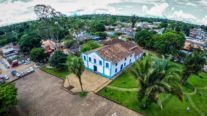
[102,65]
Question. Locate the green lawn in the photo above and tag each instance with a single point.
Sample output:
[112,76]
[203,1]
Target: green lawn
[195,97]
[53,71]
[126,80]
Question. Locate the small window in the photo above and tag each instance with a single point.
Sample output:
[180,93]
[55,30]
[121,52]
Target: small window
[94,61]
[125,58]
[107,65]
[84,57]
[115,70]
[100,62]
[90,59]
[125,64]
[116,64]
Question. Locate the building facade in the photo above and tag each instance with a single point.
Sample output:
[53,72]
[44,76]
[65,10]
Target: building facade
[110,60]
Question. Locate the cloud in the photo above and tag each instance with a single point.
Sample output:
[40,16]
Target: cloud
[156,10]
[191,4]
[19,11]
[181,15]
[12,11]
[204,20]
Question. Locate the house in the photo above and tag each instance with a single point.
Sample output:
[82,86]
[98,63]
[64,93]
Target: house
[112,58]
[198,34]
[190,45]
[9,50]
[48,45]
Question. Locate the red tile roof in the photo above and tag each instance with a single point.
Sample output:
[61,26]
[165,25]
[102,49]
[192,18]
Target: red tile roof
[116,50]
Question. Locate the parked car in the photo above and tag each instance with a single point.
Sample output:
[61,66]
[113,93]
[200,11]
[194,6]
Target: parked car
[13,72]
[4,77]
[24,73]
[29,70]
[18,74]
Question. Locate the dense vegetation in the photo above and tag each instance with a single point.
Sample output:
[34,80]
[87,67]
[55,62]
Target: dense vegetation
[8,97]
[170,42]
[59,28]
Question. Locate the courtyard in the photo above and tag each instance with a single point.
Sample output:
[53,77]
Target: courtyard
[91,82]
[41,94]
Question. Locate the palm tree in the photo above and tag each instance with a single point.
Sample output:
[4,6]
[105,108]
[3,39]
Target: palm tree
[133,21]
[156,76]
[76,66]
[193,64]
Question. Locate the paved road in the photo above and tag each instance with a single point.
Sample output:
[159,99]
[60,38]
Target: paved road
[40,94]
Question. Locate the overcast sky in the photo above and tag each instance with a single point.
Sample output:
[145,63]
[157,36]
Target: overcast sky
[194,11]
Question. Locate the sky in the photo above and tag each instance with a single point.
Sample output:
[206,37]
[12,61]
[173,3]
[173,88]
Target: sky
[192,11]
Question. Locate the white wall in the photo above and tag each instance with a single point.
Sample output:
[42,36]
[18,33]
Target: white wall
[110,71]
[123,62]
[100,68]
[107,70]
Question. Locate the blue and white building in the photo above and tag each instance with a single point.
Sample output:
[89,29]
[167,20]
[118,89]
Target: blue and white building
[112,58]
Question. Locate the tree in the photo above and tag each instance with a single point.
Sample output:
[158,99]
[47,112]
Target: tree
[143,38]
[69,43]
[170,42]
[102,35]
[97,26]
[163,24]
[54,24]
[8,97]
[29,41]
[37,55]
[89,46]
[193,63]
[76,66]
[156,76]
[133,20]
[57,60]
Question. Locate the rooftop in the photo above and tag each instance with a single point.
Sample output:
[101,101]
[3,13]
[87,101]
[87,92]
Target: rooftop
[116,50]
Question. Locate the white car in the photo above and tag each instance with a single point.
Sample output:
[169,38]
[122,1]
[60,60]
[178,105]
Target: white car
[4,77]
[30,69]
[18,74]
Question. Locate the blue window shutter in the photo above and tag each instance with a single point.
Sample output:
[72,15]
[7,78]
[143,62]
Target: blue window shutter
[107,65]
[100,62]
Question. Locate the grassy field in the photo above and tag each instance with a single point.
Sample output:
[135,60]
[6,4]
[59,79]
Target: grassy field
[195,97]
[61,74]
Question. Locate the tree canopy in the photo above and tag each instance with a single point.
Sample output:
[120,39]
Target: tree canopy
[29,41]
[193,64]
[58,60]
[8,97]
[156,76]
[144,37]
[97,26]
[167,43]
[76,66]
[37,55]
[89,45]
[170,42]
